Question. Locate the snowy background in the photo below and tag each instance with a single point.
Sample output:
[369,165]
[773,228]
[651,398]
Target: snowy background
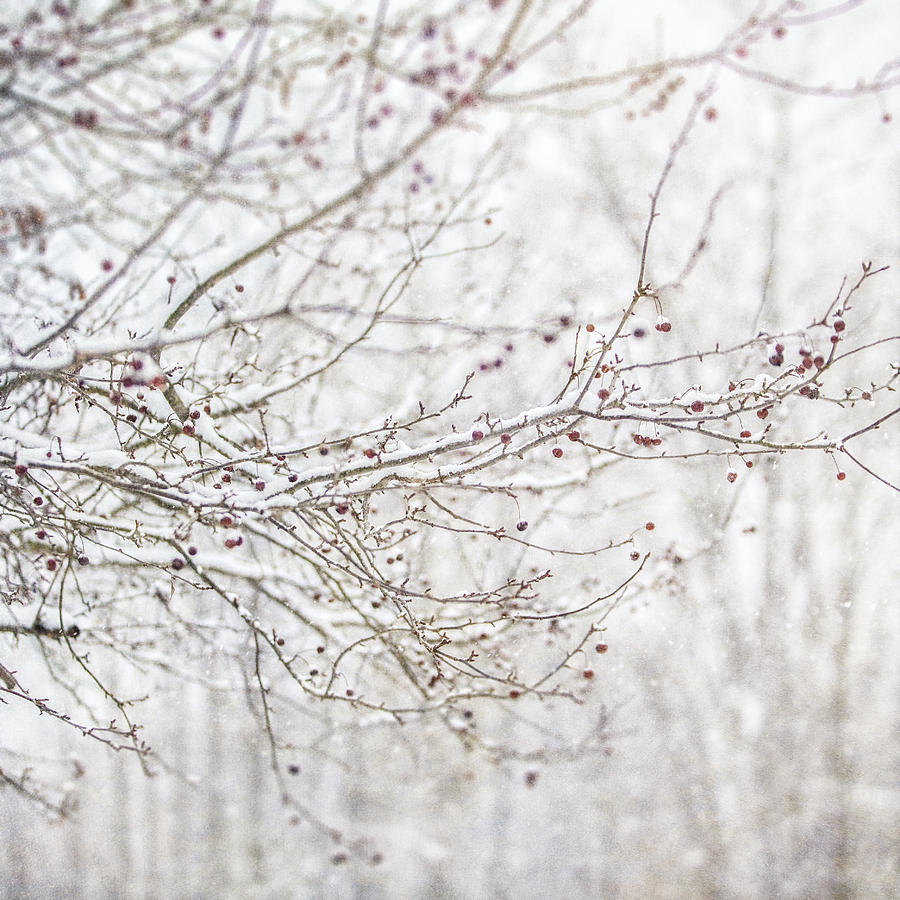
[738,734]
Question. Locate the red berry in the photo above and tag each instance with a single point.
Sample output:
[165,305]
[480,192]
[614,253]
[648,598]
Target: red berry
[192,551]
[106,265]
[513,694]
[697,406]
[635,556]
[841,476]
[477,435]
[521,526]
[819,361]
[171,279]
[574,436]
[745,434]
[177,563]
[260,485]
[866,395]
[21,469]
[505,438]
[230,543]
[732,477]
[38,501]
[52,564]
[839,325]
[588,673]
[588,327]
[650,526]
[369,453]
[602,648]
[603,394]
[762,413]
[226,521]
[187,428]
[195,414]
[557,452]
[83,561]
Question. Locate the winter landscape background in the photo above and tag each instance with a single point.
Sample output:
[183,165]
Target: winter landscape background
[299,302]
